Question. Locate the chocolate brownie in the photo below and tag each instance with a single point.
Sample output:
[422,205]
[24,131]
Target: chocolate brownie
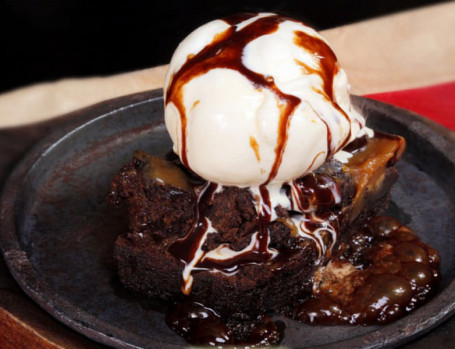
[167,205]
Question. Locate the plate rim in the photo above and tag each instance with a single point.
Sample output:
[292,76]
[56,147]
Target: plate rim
[24,274]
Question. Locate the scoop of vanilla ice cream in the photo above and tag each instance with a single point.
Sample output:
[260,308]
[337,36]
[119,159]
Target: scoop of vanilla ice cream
[257,100]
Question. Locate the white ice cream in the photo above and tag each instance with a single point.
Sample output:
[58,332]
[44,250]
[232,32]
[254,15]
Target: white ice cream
[232,124]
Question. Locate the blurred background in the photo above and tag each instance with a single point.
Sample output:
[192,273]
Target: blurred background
[45,40]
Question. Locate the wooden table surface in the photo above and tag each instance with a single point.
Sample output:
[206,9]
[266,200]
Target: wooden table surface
[405,50]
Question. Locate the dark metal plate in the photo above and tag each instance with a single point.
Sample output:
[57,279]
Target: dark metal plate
[57,229]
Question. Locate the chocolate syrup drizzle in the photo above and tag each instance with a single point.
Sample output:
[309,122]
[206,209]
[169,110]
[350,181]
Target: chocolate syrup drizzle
[329,68]
[309,195]
[225,51]
[186,249]
[189,249]
[259,253]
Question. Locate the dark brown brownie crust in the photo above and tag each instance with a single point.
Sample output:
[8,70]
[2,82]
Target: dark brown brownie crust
[151,270]
[157,211]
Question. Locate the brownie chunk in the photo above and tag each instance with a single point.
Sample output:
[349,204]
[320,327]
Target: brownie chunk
[155,208]
[234,216]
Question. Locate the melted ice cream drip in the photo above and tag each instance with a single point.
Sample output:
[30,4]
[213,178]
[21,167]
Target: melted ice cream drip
[344,155]
[305,225]
[198,255]
[308,224]
[189,249]
[224,253]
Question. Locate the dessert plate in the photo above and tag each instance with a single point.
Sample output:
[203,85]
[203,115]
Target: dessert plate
[57,229]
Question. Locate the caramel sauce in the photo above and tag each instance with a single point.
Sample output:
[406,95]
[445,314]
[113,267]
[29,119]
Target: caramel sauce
[388,147]
[255,146]
[162,171]
[367,166]
[226,51]
[288,222]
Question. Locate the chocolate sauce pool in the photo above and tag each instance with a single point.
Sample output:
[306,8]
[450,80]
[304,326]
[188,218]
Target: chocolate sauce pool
[381,273]
[201,325]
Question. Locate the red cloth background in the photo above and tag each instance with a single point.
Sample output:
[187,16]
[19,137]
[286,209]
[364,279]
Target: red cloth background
[436,102]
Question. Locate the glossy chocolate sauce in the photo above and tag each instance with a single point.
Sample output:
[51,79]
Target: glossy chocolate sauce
[226,52]
[201,325]
[186,249]
[315,191]
[382,272]
[259,253]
